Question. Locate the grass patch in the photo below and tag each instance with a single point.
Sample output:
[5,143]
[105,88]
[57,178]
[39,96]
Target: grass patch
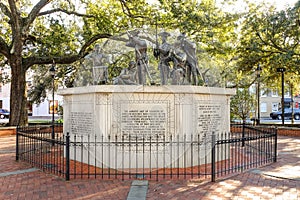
[39,122]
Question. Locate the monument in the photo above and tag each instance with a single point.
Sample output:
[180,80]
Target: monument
[130,110]
[100,73]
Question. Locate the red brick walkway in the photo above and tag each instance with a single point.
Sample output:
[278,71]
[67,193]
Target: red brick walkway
[279,180]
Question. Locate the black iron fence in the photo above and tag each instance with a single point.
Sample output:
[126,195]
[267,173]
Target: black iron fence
[38,146]
[146,157]
[249,147]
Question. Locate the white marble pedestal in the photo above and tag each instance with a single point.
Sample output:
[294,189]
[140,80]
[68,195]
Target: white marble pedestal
[144,113]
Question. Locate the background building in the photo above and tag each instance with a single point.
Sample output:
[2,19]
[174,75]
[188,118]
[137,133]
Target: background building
[42,109]
[270,101]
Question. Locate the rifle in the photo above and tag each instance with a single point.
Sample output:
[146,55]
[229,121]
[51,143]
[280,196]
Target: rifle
[145,64]
[156,49]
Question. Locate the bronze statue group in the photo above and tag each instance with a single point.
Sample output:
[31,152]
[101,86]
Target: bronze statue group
[177,63]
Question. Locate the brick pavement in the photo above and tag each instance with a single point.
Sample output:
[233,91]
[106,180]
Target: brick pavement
[279,180]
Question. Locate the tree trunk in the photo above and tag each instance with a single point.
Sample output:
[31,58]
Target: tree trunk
[18,94]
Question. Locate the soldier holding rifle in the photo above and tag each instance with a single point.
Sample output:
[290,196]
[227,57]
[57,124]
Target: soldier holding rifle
[141,57]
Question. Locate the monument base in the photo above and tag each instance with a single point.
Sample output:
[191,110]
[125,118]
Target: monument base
[145,126]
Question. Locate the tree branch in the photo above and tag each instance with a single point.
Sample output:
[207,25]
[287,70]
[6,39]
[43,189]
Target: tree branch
[5,10]
[273,44]
[127,11]
[15,23]
[65,11]
[277,47]
[4,49]
[91,41]
[34,13]
[68,59]
[15,18]
[261,39]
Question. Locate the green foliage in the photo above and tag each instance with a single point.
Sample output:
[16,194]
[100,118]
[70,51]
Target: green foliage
[270,38]
[61,34]
[229,46]
[242,103]
[59,121]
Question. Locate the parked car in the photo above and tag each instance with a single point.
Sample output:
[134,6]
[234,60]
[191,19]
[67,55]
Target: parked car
[287,114]
[4,113]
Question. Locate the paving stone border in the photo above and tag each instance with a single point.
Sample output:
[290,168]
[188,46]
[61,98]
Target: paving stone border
[138,190]
[18,172]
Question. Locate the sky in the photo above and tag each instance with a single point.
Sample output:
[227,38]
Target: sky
[280,4]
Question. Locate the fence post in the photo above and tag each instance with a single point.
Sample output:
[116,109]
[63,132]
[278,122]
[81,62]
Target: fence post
[243,134]
[17,143]
[213,157]
[275,145]
[67,157]
[53,133]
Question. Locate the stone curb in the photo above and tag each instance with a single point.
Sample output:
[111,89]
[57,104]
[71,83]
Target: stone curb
[138,190]
[18,172]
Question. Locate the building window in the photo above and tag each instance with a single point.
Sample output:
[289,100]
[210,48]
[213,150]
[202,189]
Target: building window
[275,93]
[263,107]
[263,93]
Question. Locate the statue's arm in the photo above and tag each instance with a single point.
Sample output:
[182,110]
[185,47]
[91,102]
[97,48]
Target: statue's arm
[139,41]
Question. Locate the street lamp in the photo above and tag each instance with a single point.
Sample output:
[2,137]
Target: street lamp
[52,72]
[282,70]
[258,70]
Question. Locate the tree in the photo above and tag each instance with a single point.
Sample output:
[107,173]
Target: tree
[242,103]
[37,38]
[270,38]
[212,29]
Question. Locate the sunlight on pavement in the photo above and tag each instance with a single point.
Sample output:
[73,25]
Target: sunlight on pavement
[214,197]
[182,189]
[193,185]
[255,192]
[8,143]
[286,171]
[279,180]
[290,144]
[103,194]
[232,185]
[255,189]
